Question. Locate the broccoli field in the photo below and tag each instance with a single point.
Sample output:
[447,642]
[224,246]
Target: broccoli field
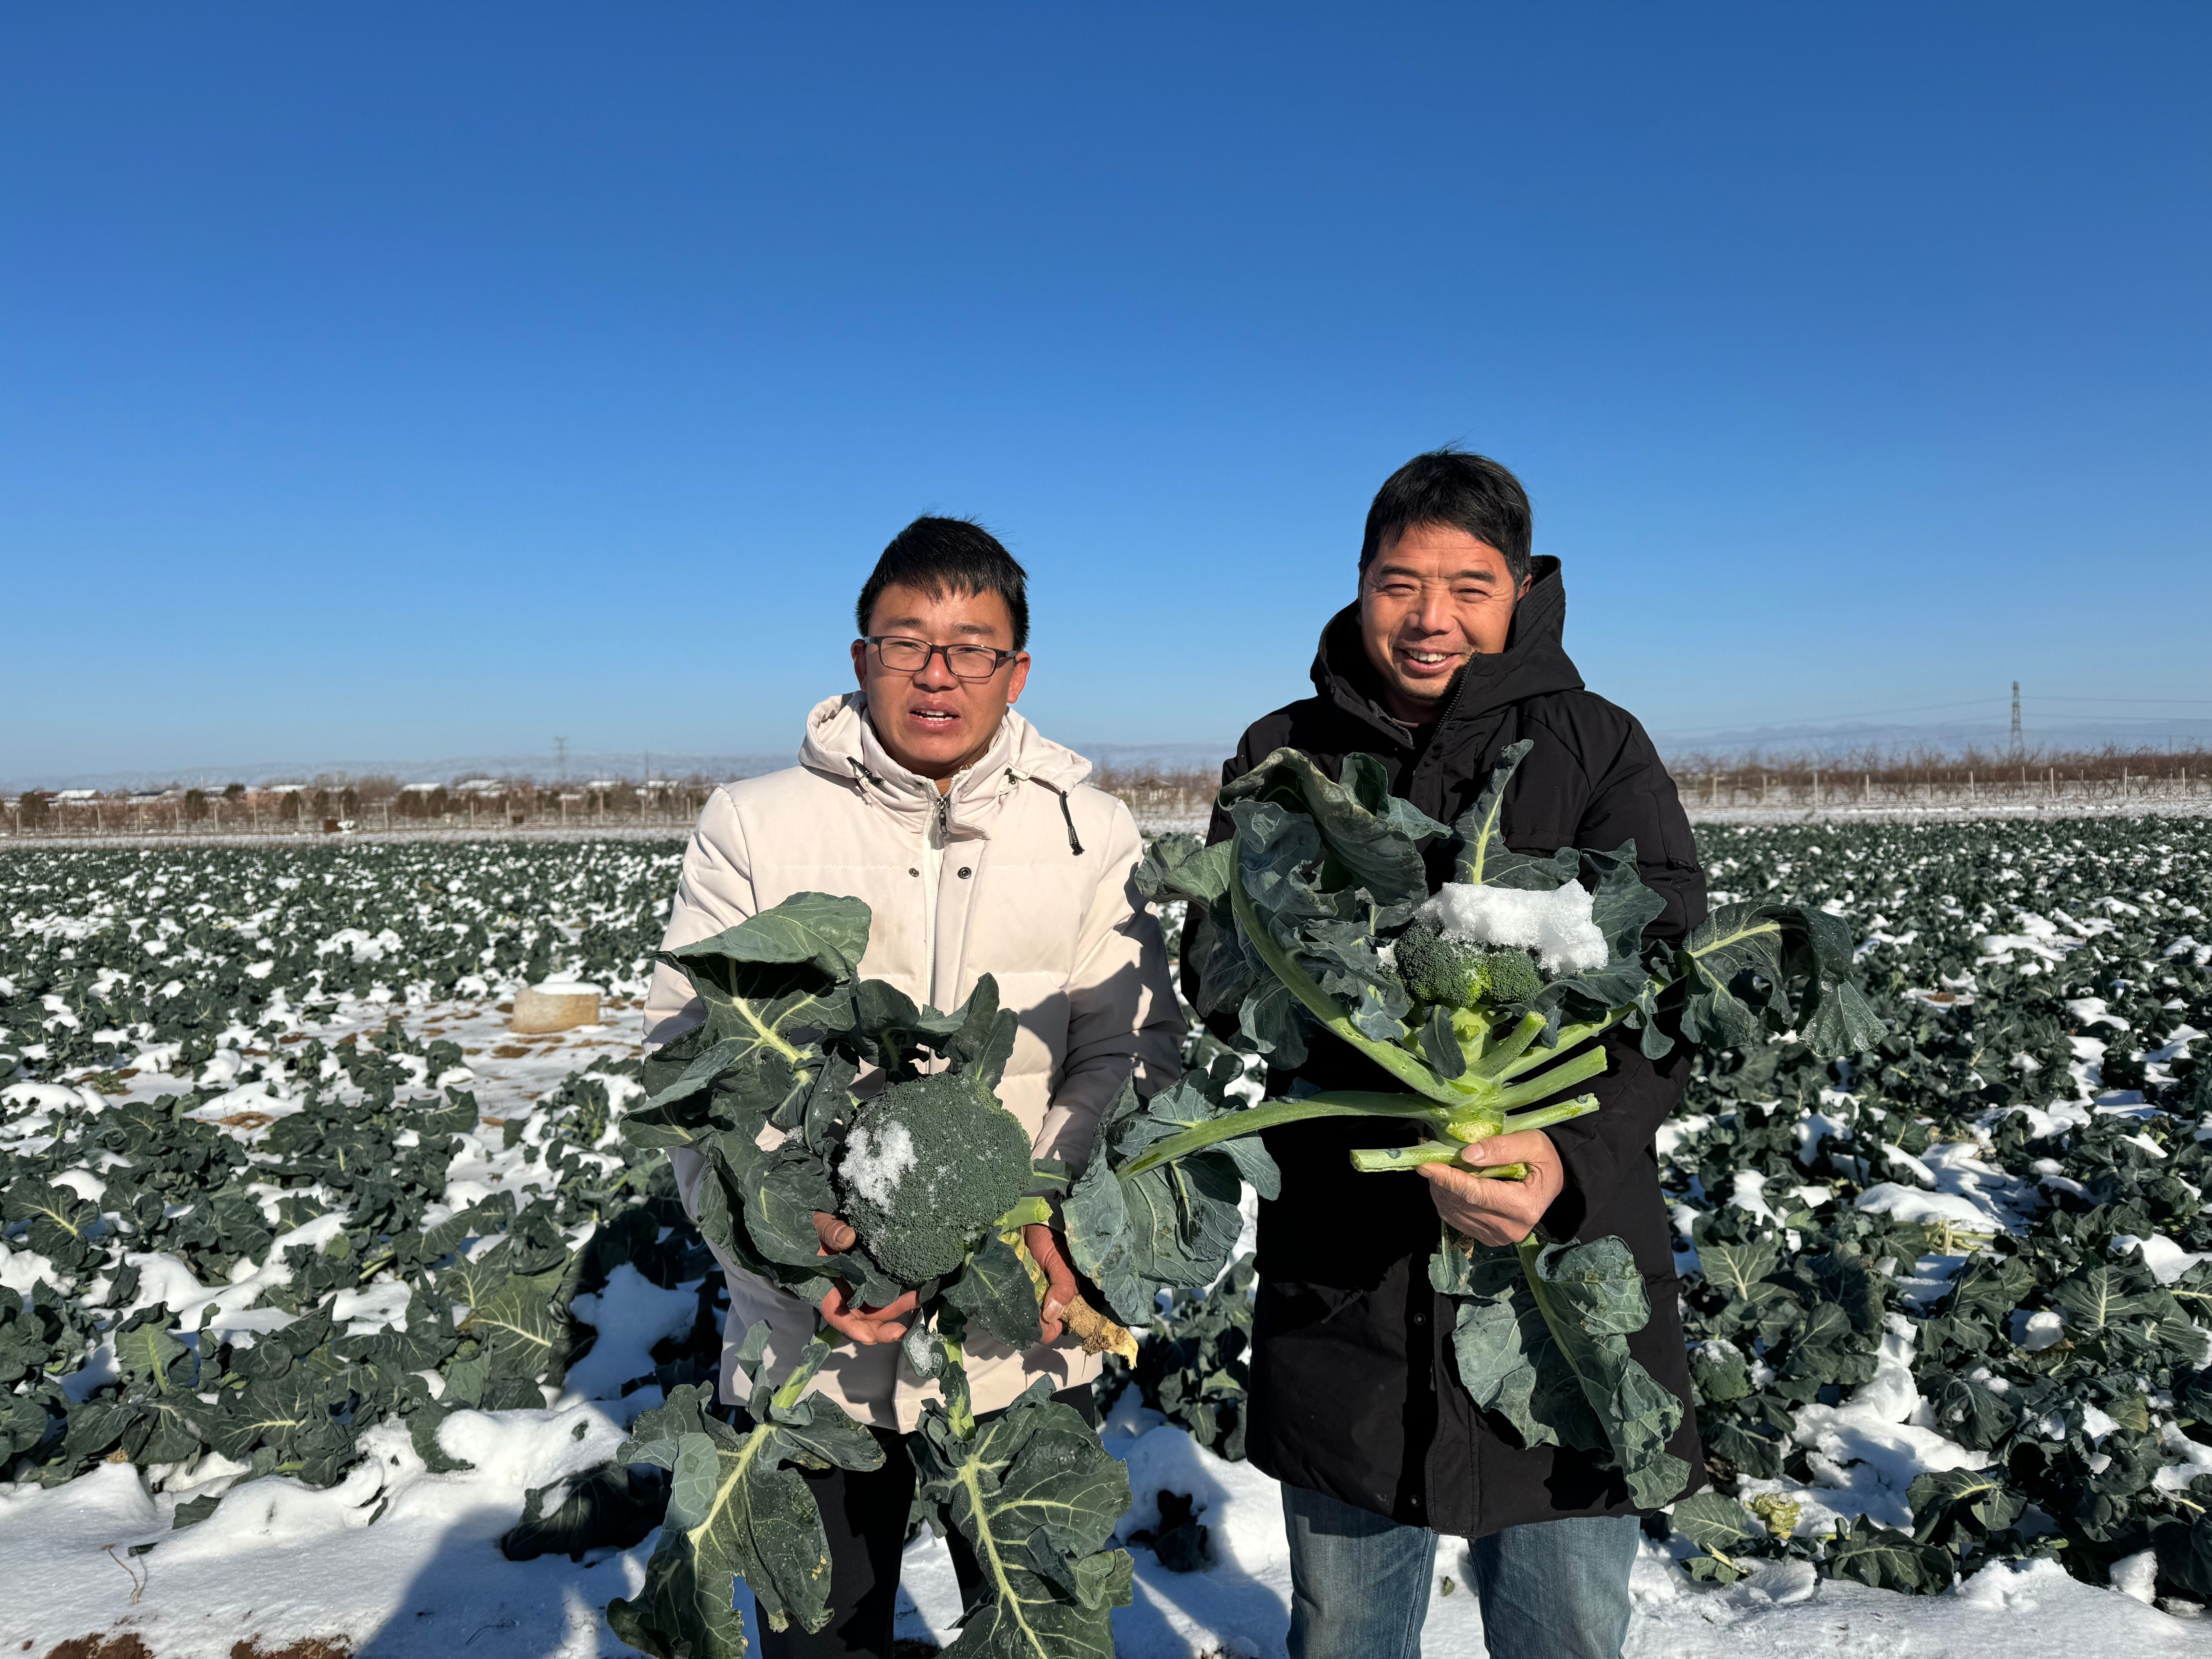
[326,1301]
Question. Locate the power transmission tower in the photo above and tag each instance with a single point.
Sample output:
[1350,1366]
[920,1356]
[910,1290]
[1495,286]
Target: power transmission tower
[2017,748]
[561,758]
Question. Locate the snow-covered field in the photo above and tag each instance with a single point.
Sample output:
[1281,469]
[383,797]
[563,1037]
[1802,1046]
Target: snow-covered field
[391,1557]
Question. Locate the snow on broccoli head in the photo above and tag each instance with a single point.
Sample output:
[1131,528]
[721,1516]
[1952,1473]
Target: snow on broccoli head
[928,1166]
[1555,927]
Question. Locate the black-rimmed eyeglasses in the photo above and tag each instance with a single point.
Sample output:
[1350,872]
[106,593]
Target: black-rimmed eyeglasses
[963,662]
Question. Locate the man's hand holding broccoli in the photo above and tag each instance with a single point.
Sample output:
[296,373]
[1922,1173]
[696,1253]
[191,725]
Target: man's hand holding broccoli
[869,1326]
[865,1326]
[1497,1212]
[1047,1249]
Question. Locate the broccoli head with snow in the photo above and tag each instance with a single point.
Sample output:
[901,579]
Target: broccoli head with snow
[1459,973]
[929,1165]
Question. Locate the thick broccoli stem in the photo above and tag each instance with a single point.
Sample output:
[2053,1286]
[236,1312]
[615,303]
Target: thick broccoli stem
[1375,1160]
[1097,1333]
[1266,1116]
[1570,1037]
[1494,1059]
[1463,1120]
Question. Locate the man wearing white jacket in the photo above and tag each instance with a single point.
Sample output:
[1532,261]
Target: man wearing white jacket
[980,849]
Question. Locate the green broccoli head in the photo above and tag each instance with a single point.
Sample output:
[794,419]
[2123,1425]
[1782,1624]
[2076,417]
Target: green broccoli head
[928,1165]
[1460,974]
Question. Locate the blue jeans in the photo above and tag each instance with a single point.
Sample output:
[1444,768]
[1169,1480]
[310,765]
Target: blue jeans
[1359,1584]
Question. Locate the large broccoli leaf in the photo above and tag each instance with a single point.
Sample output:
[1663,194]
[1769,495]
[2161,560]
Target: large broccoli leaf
[771,987]
[1037,1499]
[1484,857]
[994,1292]
[1541,1340]
[739,1508]
[1369,834]
[1176,1224]
[1752,970]
[827,931]
[1324,864]
[1329,934]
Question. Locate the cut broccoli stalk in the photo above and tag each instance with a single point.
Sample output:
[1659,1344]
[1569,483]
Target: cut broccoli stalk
[1455,1127]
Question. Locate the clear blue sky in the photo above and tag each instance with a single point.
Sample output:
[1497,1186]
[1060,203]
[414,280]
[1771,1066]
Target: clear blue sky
[422,379]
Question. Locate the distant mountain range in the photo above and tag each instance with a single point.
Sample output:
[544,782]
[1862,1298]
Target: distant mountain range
[581,768]
[1810,739]
[1816,740]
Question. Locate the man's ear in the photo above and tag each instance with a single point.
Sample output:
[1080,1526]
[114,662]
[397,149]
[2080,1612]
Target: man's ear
[1527,582]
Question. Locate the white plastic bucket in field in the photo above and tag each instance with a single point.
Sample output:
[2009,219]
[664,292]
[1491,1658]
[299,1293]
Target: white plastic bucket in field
[556,1006]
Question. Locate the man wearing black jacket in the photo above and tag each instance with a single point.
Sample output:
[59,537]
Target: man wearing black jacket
[1451,652]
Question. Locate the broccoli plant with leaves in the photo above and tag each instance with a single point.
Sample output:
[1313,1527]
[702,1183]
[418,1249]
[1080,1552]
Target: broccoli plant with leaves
[1484,1000]
[937,1178]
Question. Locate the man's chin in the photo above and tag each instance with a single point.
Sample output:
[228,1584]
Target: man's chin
[932,750]
[1425,693]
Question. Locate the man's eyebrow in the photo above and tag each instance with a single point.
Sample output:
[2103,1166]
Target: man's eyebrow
[1472,572]
[892,624]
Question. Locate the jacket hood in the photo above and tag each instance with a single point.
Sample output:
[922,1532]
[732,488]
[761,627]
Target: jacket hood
[1534,661]
[842,743]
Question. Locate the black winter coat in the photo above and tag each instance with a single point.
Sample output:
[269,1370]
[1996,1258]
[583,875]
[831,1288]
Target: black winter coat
[1355,1391]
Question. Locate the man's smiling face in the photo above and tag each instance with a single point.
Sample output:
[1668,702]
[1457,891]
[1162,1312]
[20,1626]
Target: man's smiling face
[933,722]
[1431,598]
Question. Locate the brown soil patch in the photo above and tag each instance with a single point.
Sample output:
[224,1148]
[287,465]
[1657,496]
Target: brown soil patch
[293,1036]
[101,1645]
[338,1648]
[246,1121]
[510,1051]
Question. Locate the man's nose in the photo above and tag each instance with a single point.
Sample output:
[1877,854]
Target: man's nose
[936,674]
[1435,613]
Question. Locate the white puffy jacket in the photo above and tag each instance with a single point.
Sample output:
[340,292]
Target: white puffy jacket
[1021,871]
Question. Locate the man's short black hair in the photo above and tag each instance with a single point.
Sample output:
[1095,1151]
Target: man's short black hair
[1466,492]
[949,555]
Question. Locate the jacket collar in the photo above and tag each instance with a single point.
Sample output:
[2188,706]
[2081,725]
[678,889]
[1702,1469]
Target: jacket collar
[842,743]
[1534,662]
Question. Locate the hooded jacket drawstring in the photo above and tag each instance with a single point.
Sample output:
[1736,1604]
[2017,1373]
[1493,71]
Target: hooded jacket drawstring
[1067,813]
